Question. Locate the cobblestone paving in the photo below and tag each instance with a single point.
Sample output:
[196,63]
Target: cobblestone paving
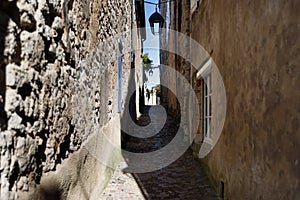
[122,186]
[183,179]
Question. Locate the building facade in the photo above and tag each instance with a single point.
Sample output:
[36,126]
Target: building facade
[254,46]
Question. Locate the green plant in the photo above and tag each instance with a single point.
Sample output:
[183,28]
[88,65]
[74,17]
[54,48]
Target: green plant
[147,62]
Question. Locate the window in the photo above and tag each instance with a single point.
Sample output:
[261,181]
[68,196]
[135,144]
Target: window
[120,76]
[206,107]
[204,74]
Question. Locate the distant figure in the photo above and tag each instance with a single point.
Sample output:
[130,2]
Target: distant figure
[151,95]
[148,94]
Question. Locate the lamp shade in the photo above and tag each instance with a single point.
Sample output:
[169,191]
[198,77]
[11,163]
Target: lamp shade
[154,19]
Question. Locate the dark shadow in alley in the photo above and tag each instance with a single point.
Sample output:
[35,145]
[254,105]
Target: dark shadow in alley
[183,179]
[152,143]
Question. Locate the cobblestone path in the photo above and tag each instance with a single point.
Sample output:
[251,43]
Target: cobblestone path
[183,179]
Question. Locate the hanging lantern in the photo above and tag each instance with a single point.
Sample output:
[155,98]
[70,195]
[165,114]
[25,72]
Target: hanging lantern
[150,72]
[156,18]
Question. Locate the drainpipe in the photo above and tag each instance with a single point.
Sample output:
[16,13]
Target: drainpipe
[187,42]
[187,70]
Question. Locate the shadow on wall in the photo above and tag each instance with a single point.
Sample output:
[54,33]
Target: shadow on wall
[50,191]
[131,109]
[8,10]
[69,181]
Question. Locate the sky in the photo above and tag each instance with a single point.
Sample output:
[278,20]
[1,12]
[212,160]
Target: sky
[151,41]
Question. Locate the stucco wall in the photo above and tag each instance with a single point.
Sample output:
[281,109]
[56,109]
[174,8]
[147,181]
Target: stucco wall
[54,93]
[174,51]
[256,47]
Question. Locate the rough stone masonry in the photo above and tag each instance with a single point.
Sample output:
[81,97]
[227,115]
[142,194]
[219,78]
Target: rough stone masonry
[45,48]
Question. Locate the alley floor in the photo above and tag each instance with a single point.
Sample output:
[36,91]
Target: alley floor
[183,179]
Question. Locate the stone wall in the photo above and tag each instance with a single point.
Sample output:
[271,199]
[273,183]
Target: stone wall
[55,89]
[256,47]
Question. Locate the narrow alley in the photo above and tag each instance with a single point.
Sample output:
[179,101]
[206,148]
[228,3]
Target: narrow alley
[198,99]
[183,179]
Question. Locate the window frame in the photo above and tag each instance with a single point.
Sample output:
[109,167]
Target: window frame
[205,75]
[206,107]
